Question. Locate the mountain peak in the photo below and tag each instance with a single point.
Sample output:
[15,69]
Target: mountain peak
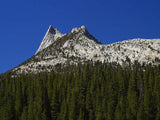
[50,29]
[77,29]
[80,46]
[51,35]
[83,30]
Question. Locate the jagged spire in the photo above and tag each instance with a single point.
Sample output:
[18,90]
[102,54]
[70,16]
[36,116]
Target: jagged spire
[53,34]
[51,29]
[50,36]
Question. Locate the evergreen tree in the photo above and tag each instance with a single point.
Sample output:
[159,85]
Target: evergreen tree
[55,105]
[131,112]
[24,115]
[89,92]
[18,101]
[140,113]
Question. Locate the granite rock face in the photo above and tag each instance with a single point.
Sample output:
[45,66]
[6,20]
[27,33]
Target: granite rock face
[80,46]
[50,36]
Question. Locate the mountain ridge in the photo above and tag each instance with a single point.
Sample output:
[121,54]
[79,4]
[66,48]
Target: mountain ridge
[80,46]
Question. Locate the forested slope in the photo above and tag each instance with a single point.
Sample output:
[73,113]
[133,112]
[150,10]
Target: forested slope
[90,92]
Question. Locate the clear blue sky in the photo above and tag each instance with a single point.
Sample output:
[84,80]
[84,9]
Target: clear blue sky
[23,23]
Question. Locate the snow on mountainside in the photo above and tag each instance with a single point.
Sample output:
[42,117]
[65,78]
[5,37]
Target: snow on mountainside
[80,46]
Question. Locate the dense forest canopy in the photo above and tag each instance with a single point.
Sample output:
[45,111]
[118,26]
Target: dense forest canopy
[88,92]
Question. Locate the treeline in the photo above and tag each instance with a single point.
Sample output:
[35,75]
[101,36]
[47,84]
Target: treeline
[89,92]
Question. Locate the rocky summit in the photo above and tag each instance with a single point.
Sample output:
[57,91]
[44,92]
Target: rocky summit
[51,35]
[80,46]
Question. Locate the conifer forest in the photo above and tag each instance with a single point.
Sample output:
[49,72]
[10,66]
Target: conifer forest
[83,92]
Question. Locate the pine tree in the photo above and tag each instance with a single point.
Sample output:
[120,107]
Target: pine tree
[140,112]
[131,112]
[81,115]
[72,107]
[55,105]
[8,108]
[63,115]
[120,109]
[24,115]
[157,92]
[18,101]
[112,97]
[31,114]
